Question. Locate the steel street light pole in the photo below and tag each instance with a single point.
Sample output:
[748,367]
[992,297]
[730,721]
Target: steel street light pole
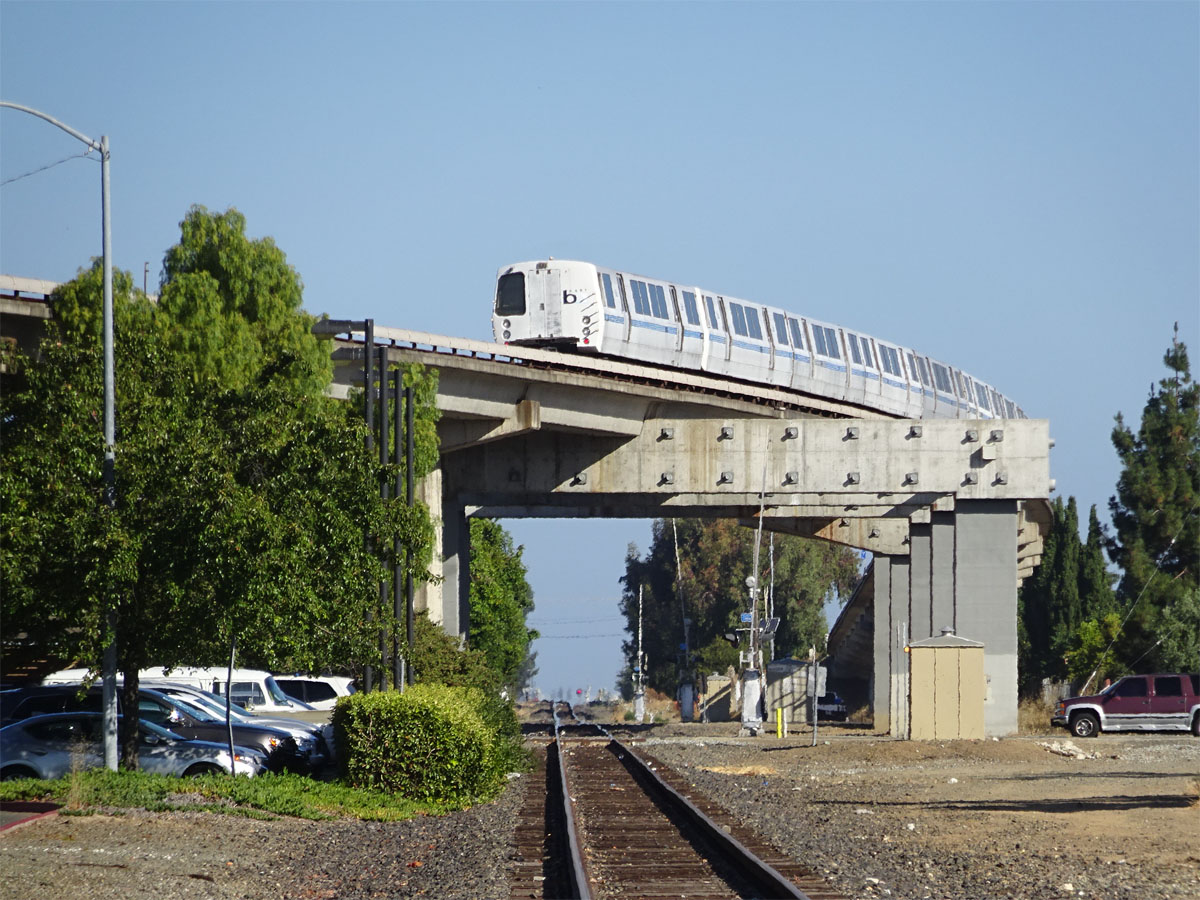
[109,671]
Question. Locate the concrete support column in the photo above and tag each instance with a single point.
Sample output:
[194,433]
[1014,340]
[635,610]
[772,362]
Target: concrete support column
[456,570]
[881,682]
[428,595]
[941,572]
[900,636]
[890,680]
[920,588]
[986,601]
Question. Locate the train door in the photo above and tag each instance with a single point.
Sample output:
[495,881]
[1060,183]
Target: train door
[695,335]
[783,347]
[543,294]
[722,323]
[625,310]
[714,340]
[678,313]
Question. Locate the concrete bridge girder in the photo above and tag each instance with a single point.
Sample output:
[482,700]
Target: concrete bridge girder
[868,463]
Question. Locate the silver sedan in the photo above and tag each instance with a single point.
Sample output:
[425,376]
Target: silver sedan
[55,745]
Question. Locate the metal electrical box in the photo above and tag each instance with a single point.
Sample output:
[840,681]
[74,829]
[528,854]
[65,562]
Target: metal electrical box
[788,689]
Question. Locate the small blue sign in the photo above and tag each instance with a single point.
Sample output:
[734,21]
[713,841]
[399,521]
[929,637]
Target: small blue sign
[747,618]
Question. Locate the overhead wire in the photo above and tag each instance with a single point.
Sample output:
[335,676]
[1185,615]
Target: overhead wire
[47,166]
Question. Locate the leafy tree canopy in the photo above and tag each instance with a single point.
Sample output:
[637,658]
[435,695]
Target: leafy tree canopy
[232,303]
[241,503]
[501,599]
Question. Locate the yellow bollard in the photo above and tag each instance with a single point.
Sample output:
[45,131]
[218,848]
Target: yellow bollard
[779,722]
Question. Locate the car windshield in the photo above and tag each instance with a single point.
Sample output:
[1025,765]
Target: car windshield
[194,709]
[277,693]
[214,704]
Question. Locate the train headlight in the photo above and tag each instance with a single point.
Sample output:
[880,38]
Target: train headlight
[587,320]
[506,323]
[507,334]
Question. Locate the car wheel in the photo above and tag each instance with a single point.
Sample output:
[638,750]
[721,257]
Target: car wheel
[12,773]
[203,769]
[1085,725]
[1196,724]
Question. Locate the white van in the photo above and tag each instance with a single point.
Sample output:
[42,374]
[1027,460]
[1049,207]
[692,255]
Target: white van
[252,688]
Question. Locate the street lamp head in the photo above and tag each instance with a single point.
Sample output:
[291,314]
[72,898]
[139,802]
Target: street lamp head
[751,582]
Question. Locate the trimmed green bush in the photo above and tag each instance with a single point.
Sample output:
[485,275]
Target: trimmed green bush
[432,743]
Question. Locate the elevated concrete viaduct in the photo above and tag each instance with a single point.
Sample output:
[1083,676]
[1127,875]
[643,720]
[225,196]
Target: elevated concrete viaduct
[953,510]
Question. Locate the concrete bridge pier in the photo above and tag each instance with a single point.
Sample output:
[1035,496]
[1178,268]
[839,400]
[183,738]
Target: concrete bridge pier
[961,573]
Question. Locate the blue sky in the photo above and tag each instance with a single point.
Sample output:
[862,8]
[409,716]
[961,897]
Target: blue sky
[1011,187]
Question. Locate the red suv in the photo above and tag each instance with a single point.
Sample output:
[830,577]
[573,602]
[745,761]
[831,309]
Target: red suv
[1159,702]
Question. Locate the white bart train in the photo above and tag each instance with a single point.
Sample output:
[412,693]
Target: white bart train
[585,308]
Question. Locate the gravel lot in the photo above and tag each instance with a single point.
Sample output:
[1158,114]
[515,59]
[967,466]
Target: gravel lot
[879,818]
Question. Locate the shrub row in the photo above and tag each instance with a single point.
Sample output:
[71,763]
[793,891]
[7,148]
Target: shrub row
[432,743]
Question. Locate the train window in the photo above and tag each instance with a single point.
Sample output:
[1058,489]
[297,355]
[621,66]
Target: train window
[826,341]
[997,403]
[658,301]
[890,359]
[867,355]
[819,340]
[710,309]
[780,328]
[690,309]
[739,319]
[916,365]
[510,294]
[641,297]
[852,340]
[753,324]
[981,395]
[610,298]
[797,334]
[1011,407]
[962,386]
[942,379]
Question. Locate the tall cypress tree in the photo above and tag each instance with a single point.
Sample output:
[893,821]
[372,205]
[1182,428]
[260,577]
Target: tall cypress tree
[1095,581]
[1155,510]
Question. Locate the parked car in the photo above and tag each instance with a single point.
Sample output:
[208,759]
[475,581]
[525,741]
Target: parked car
[1158,702]
[832,707]
[313,738]
[281,749]
[318,691]
[51,746]
[254,689]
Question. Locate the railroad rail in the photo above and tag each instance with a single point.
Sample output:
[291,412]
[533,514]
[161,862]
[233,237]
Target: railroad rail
[611,824]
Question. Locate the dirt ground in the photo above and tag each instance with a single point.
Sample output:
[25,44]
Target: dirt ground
[1117,806]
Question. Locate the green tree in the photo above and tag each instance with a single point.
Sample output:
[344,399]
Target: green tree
[501,599]
[1090,653]
[1155,510]
[241,505]
[715,557]
[232,303]
[1071,586]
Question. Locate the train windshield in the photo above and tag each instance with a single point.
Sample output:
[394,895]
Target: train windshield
[510,295]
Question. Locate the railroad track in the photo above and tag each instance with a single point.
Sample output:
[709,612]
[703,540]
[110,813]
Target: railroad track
[629,831]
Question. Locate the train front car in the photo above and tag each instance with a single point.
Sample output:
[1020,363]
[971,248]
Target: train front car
[549,303]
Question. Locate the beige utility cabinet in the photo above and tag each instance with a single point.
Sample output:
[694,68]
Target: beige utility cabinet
[947,688]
